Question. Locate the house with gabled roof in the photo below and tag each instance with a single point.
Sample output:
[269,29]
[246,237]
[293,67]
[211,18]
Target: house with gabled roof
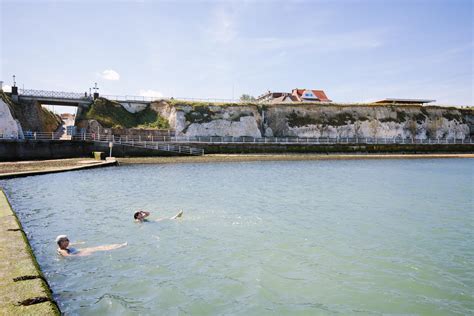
[296,95]
[306,95]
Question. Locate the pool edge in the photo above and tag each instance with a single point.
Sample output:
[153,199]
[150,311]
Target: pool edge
[34,291]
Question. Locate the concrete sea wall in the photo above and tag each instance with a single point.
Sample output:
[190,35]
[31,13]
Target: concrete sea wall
[12,150]
[23,289]
[262,148]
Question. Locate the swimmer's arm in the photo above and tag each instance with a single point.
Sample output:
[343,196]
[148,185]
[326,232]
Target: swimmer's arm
[178,215]
[77,243]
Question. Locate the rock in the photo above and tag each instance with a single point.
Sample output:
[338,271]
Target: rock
[9,127]
[134,107]
[246,126]
[268,132]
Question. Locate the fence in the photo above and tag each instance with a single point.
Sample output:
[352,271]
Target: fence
[129,98]
[54,94]
[150,139]
[316,140]
[104,138]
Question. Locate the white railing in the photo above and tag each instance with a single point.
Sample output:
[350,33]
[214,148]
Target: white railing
[149,139]
[295,140]
[104,138]
[142,143]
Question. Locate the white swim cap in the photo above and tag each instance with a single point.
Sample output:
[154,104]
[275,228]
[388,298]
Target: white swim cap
[61,237]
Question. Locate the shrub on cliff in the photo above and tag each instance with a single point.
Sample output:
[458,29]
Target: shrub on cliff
[112,114]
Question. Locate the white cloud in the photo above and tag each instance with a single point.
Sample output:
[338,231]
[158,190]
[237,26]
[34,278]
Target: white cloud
[150,93]
[7,88]
[110,74]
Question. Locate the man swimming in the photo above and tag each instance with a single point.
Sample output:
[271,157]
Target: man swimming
[140,216]
[64,250]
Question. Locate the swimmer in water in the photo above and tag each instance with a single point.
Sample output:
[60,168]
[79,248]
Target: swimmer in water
[64,250]
[140,216]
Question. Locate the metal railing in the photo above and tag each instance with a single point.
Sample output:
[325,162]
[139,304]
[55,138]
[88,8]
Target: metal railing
[106,138]
[142,143]
[53,94]
[131,98]
[149,139]
[297,140]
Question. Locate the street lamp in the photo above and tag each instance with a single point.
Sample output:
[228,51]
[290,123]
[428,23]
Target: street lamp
[96,91]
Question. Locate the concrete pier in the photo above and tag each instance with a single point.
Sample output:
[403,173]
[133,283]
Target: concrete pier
[23,289]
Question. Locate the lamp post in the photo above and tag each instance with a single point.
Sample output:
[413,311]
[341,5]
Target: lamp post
[96,91]
[14,90]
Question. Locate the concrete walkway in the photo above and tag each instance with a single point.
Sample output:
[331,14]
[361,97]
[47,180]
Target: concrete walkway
[48,166]
[17,263]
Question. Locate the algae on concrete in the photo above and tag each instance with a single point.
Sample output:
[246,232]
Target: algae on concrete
[17,261]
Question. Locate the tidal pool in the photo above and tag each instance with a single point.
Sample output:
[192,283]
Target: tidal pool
[312,237]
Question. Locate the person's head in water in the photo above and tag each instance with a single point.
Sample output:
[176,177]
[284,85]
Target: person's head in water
[62,241]
[140,215]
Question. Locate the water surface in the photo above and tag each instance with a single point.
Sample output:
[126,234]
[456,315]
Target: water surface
[311,237]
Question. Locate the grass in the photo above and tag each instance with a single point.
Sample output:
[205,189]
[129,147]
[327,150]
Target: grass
[313,104]
[51,121]
[112,114]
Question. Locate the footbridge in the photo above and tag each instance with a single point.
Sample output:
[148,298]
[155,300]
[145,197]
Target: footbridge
[75,98]
[55,97]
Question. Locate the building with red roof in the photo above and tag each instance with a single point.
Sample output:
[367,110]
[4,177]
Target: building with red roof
[296,95]
[305,95]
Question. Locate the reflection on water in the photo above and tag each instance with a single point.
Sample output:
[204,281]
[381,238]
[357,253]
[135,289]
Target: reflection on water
[370,237]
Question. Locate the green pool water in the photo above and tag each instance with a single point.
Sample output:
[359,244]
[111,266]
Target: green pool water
[362,237]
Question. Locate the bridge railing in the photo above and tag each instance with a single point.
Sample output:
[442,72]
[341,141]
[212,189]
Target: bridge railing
[54,94]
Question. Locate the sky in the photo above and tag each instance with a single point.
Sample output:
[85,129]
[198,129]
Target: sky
[356,51]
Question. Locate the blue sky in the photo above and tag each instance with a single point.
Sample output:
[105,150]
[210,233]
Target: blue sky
[354,50]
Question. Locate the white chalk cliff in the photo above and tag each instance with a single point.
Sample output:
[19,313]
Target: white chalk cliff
[9,127]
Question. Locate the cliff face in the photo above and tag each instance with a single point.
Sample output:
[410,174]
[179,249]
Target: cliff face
[111,114]
[284,120]
[9,127]
[316,120]
[25,116]
[368,121]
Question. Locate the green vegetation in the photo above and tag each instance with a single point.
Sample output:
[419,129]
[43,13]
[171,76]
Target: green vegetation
[51,121]
[19,261]
[195,104]
[294,120]
[419,118]
[200,114]
[339,119]
[112,114]
[204,114]
[401,116]
[247,98]
[450,116]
